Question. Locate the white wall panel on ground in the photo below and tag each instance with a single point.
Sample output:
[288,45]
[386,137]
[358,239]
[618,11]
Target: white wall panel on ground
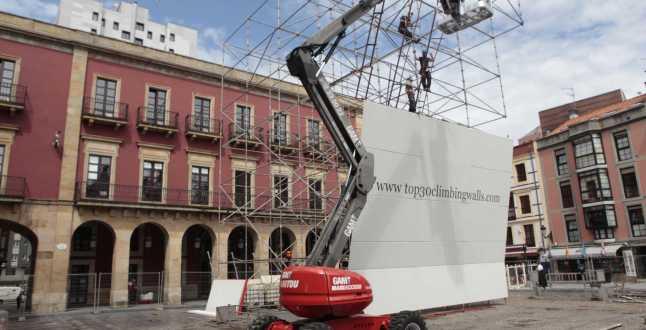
[433,231]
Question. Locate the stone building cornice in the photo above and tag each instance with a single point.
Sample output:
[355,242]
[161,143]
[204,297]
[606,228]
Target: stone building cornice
[65,39]
[634,113]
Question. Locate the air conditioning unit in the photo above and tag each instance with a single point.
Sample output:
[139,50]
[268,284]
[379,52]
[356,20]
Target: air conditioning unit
[472,12]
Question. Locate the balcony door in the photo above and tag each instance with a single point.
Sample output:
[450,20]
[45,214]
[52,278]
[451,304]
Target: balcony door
[280,128]
[105,97]
[242,189]
[243,120]
[202,114]
[7,71]
[156,110]
[153,181]
[314,133]
[200,185]
[98,177]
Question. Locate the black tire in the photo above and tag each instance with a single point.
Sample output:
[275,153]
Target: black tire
[315,326]
[407,320]
[262,322]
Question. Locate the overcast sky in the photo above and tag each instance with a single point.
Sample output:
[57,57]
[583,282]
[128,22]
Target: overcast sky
[592,46]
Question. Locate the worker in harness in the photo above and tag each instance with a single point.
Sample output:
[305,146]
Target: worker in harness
[424,70]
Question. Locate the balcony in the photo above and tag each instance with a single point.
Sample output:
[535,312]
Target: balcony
[97,193]
[241,137]
[157,120]
[283,143]
[12,188]
[105,113]
[319,149]
[511,214]
[13,97]
[203,128]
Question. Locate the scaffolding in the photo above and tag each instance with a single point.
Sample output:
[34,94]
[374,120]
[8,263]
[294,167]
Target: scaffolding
[278,165]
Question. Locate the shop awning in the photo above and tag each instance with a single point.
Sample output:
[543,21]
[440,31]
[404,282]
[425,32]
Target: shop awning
[589,251]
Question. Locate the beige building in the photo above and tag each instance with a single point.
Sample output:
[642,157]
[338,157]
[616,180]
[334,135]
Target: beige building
[527,228]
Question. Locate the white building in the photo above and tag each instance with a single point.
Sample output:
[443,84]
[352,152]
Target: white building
[128,22]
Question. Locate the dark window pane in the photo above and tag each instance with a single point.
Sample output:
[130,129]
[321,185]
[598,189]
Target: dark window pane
[572,229]
[521,175]
[629,180]
[525,206]
[529,235]
[200,185]
[636,216]
[153,177]
[561,162]
[566,194]
[242,189]
[315,191]
[313,133]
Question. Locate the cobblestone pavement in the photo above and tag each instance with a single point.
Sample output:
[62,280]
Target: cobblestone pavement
[554,310]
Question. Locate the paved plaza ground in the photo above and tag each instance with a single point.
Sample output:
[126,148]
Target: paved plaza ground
[556,309]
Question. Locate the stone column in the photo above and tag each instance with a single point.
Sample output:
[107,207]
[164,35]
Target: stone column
[221,251]
[261,253]
[299,246]
[173,269]
[53,228]
[120,267]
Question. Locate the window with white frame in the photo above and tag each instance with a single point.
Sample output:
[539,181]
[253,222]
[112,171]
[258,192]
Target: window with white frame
[279,135]
[314,133]
[636,217]
[315,192]
[105,97]
[152,181]
[622,145]
[572,228]
[200,185]
[594,186]
[7,72]
[561,162]
[281,191]
[242,189]
[588,151]
[243,120]
[98,176]
[202,114]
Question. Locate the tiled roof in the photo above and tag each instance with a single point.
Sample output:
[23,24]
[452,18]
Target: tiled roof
[599,113]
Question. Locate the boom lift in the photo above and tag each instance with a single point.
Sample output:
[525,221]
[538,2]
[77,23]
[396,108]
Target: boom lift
[328,297]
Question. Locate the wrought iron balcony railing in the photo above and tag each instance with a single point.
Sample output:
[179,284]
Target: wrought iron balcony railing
[105,110]
[283,141]
[13,96]
[250,135]
[203,126]
[116,193]
[157,119]
[13,186]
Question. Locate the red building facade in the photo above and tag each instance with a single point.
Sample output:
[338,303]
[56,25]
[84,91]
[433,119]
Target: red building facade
[594,174]
[126,166]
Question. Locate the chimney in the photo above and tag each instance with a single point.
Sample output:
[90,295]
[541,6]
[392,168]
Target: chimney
[572,113]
